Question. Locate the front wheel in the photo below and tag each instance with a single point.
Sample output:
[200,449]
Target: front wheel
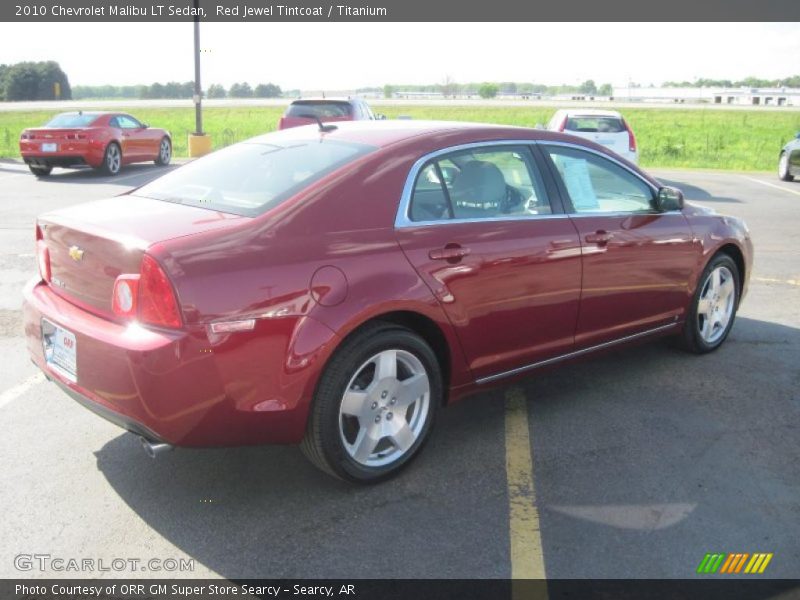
[714,306]
[783,168]
[164,152]
[375,405]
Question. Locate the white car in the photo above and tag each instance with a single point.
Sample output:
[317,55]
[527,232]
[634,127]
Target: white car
[605,127]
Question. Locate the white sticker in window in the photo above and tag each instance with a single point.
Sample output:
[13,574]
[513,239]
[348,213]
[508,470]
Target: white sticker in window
[579,183]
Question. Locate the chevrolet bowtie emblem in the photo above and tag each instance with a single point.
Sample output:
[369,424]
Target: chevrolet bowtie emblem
[76,253]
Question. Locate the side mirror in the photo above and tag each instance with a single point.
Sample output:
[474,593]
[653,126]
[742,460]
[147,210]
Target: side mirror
[669,198]
[145,125]
[380,117]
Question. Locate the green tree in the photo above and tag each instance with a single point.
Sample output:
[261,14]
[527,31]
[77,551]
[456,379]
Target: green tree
[488,90]
[241,90]
[268,90]
[388,91]
[216,91]
[588,87]
[605,90]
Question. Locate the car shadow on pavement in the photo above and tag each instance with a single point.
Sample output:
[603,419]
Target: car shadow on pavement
[692,192]
[130,175]
[648,426]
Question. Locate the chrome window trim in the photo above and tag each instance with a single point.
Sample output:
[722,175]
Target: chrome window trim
[403,220]
[574,354]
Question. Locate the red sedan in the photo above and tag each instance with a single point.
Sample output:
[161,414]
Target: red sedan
[104,141]
[336,288]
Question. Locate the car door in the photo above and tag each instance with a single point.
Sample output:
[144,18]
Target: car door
[478,225]
[637,261]
[135,139]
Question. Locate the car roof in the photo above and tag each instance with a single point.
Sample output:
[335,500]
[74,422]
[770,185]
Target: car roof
[321,99]
[591,112]
[388,132]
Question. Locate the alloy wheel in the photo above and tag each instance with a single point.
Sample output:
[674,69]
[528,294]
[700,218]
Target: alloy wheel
[384,408]
[716,304]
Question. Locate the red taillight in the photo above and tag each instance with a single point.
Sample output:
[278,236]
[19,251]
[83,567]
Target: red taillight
[563,125]
[282,123]
[631,137]
[42,255]
[157,304]
[125,296]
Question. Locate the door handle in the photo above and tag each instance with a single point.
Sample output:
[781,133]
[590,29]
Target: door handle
[126,135]
[450,253]
[599,237]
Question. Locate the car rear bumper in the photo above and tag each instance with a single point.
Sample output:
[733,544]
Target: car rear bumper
[176,387]
[68,155]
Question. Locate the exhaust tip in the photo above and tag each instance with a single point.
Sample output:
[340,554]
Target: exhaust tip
[153,449]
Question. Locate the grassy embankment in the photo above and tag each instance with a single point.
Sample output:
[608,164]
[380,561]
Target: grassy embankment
[744,140]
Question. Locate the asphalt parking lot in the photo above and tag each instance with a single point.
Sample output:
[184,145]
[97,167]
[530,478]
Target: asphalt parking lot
[643,459]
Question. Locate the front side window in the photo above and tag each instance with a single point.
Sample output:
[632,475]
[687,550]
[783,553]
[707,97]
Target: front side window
[252,177]
[482,183]
[596,184]
[127,122]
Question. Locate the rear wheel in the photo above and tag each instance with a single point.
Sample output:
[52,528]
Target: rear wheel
[783,168]
[714,306]
[164,152]
[112,159]
[375,405]
[40,171]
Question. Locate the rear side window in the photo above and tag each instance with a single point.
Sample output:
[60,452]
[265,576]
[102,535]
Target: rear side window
[482,183]
[73,120]
[591,124]
[319,109]
[252,177]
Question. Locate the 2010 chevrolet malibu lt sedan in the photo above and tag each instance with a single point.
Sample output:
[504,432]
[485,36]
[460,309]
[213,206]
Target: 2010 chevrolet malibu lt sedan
[334,286]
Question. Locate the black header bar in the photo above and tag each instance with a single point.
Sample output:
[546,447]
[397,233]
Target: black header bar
[266,11]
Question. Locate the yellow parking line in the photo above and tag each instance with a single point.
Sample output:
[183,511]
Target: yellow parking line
[527,560]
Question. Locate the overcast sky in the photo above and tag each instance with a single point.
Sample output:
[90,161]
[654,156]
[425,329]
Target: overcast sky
[315,56]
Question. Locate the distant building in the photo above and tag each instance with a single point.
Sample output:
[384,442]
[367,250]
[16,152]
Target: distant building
[691,95]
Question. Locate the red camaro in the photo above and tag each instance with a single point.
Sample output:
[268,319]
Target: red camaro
[104,141]
[335,288]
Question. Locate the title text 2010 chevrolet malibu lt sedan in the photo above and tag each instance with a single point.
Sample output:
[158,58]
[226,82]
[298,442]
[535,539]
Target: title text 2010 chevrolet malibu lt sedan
[335,286]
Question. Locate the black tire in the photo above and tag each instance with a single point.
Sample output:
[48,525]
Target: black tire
[163,160]
[40,171]
[323,444]
[112,159]
[783,168]
[691,338]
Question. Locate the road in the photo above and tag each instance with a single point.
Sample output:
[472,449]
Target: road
[643,459]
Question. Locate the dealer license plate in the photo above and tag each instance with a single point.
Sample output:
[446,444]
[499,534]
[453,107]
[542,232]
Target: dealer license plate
[60,350]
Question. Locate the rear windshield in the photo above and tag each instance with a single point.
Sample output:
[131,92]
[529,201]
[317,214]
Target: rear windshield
[252,177]
[319,109]
[595,124]
[71,121]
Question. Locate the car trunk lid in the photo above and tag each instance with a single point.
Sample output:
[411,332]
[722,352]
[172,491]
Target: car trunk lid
[91,244]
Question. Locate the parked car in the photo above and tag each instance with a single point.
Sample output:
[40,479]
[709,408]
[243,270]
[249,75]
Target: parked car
[104,141]
[309,111]
[789,160]
[336,288]
[605,127]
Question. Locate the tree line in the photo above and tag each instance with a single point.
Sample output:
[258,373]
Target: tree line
[34,81]
[751,82]
[174,89]
[492,89]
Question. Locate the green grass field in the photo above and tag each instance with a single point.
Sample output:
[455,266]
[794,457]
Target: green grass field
[743,140]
